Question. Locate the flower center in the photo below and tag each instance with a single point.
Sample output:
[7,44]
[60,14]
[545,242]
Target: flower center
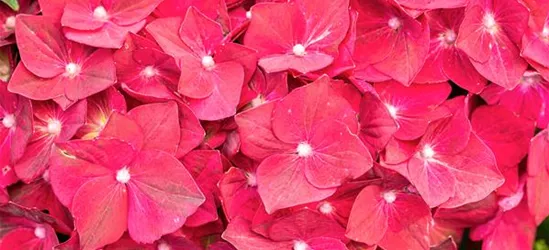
[257,101]
[8,121]
[251,179]
[299,50]
[100,13]
[389,197]
[72,70]
[249,14]
[54,127]
[304,149]
[530,78]
[123,175]
[149,72]
[208,62]
[40,232]
[326,208]
[5,170]
[450,37]
[300,245]
[394,23]
[46,175]
[392,110]
[545,32]
[427,152]
[163,246]
[9,24]
[490,23]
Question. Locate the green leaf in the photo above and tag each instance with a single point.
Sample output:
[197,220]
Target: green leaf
[12,3]
[541,245]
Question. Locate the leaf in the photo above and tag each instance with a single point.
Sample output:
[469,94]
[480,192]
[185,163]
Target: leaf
[14,4]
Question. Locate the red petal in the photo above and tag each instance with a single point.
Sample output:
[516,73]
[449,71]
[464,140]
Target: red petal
[200,33]
[282,183]
[162,194]
[334,162]
[99,208]
[308,106]
[98,73]
[42,45]
[256,134]
[506,134]
[239,234]
[160,125]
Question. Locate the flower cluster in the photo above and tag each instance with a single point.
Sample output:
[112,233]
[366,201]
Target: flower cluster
[273,124]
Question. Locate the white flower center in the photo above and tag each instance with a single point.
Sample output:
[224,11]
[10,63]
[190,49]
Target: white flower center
[257,101]
[249,14]
[123,175]
[208,62]
[9,24]
[300,245]
[299,50]
[5,170]
[251,179]
[46,175]
[394,23]
[326,208]
[8,121]
[490,23]
[304,149]
[72,70]
[149,72]
[389,197]
[392,110]
[40,232]
[545,32]
[163,246]
[100,13]
[450,37]
[54,127]
[530,78]
[427,152]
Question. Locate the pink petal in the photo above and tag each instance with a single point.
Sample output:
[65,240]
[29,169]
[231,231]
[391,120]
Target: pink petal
[506,134]
[376,124]
[305,107]
[280,62]
[192,132]
[126,12]
[305,224]
[110,35]
[256,134]
[333,162]
[239,234]
[282,183]
[434,181]
[207,171]
[124,128]
[99,208]
[79,15]
[27,84]
[98,73]
[42,45]
[200,33]
[160,125]
[165,32]
[368,222]
[475,171]
[228,79]
[162,194]
[325,243]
